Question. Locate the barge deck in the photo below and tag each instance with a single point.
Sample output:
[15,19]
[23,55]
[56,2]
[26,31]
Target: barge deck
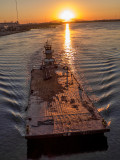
[58,106]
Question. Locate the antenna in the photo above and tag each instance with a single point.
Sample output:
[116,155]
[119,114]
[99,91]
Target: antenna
[16,9]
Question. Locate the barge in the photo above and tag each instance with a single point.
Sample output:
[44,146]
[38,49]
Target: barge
[58,105]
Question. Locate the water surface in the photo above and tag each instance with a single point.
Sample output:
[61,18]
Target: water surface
[92,51]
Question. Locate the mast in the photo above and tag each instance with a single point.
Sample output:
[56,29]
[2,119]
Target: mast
[16,9]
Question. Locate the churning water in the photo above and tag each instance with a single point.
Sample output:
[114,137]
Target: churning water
[92,50]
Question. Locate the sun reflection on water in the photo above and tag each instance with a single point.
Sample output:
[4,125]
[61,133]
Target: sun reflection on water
[67,40]
[68,50]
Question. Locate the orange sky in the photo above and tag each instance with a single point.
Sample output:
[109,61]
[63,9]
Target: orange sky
[47,10]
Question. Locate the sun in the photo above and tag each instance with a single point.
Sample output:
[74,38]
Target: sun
[66,15]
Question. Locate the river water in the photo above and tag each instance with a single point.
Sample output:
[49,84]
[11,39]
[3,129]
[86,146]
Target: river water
[92,50]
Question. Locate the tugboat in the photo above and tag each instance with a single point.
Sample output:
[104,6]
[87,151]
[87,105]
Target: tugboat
[48,63]
[49,60]
[58,105]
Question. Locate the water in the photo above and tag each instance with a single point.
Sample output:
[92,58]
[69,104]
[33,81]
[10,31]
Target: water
[92,51]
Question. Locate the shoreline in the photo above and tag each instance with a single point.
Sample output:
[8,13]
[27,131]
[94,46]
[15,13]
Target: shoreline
[10,32]
[28,27]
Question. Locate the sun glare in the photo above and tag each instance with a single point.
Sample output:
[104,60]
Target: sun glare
[66,15]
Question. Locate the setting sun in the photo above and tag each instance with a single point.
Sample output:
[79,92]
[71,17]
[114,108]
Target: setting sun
[67,15]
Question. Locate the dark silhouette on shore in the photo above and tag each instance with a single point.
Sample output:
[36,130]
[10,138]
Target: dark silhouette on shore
[15,27]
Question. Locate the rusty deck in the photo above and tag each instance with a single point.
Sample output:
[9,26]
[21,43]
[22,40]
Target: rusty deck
[58,106]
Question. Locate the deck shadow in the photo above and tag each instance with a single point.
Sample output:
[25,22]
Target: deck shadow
[54,147]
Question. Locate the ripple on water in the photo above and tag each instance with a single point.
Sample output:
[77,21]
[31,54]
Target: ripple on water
[17,119]
[96,58]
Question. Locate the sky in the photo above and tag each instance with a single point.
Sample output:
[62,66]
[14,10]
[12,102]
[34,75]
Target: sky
[35,11]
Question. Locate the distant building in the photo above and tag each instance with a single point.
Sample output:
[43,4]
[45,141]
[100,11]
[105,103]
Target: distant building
[9,26]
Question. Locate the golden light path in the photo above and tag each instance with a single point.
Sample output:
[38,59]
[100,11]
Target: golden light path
[69,51]
[67,40]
